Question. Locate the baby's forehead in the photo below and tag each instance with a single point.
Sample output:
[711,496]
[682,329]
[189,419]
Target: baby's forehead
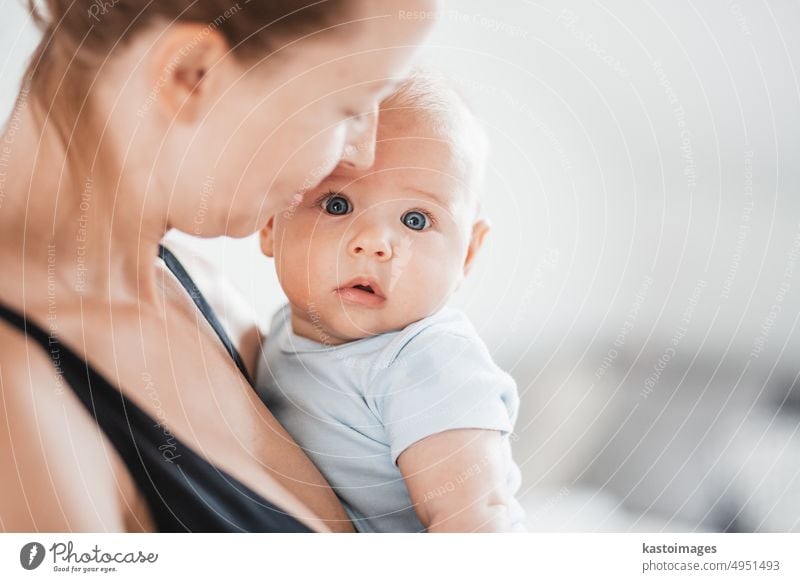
[428,99]
[403,172]
[414,137]
[409,166]
[427,140]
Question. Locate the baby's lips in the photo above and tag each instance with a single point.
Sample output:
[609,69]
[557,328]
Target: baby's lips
[360,297]
[368,284]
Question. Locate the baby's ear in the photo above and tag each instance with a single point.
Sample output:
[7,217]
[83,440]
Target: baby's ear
[479,231]
[267,238]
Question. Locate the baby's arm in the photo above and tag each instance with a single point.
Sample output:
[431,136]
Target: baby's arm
[456,480]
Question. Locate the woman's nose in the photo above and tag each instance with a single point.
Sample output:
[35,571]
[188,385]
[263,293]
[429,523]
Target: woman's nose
[371,242]
[359,149]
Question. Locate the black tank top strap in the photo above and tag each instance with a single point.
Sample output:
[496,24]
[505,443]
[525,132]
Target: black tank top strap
[183,490]
[185,279]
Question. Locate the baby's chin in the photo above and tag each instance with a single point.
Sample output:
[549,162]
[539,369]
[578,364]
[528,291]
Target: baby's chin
[353,324]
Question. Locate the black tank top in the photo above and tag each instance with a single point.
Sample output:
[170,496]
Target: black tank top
[183,491]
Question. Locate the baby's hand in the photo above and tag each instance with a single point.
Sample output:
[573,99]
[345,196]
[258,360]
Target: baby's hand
[457,482]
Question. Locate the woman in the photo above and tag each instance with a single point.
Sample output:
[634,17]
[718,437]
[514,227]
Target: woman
[124,406]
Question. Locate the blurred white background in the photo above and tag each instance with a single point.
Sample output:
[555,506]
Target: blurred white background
[641,281]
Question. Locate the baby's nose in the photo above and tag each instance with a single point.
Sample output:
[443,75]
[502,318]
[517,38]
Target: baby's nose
[371,242]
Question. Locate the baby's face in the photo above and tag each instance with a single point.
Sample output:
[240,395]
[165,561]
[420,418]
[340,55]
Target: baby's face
[371,251]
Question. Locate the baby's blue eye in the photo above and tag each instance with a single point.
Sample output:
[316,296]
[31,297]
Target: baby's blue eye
[337,205]
[415,220]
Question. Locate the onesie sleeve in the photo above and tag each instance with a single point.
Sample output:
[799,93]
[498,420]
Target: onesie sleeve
[443,381]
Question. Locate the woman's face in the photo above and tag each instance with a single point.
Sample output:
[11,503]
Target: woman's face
[282,126]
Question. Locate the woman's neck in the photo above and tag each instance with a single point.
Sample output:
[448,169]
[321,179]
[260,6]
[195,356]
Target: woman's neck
[88,237]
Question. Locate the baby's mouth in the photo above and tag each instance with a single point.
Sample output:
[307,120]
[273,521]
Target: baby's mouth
[362,291]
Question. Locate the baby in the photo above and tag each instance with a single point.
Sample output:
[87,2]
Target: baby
[392,394]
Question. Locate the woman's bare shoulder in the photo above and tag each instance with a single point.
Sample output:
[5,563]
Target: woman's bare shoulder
[55,473]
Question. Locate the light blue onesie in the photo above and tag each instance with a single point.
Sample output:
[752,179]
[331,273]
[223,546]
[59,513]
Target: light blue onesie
[355,407]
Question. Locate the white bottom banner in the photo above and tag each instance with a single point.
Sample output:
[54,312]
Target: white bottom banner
[355,557]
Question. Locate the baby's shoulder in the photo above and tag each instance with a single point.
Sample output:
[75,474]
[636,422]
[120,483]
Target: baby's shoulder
[280,320]
[445,322]
[442,337]
[440,357]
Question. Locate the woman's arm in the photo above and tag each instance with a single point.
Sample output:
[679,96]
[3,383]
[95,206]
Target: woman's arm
[55,474]
[457,482]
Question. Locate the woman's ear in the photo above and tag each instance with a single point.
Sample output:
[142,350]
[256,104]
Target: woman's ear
[479,231]
[267,238]
[185,72]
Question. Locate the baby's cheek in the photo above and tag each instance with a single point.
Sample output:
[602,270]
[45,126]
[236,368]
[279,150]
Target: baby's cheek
[291,268]
[432,285]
